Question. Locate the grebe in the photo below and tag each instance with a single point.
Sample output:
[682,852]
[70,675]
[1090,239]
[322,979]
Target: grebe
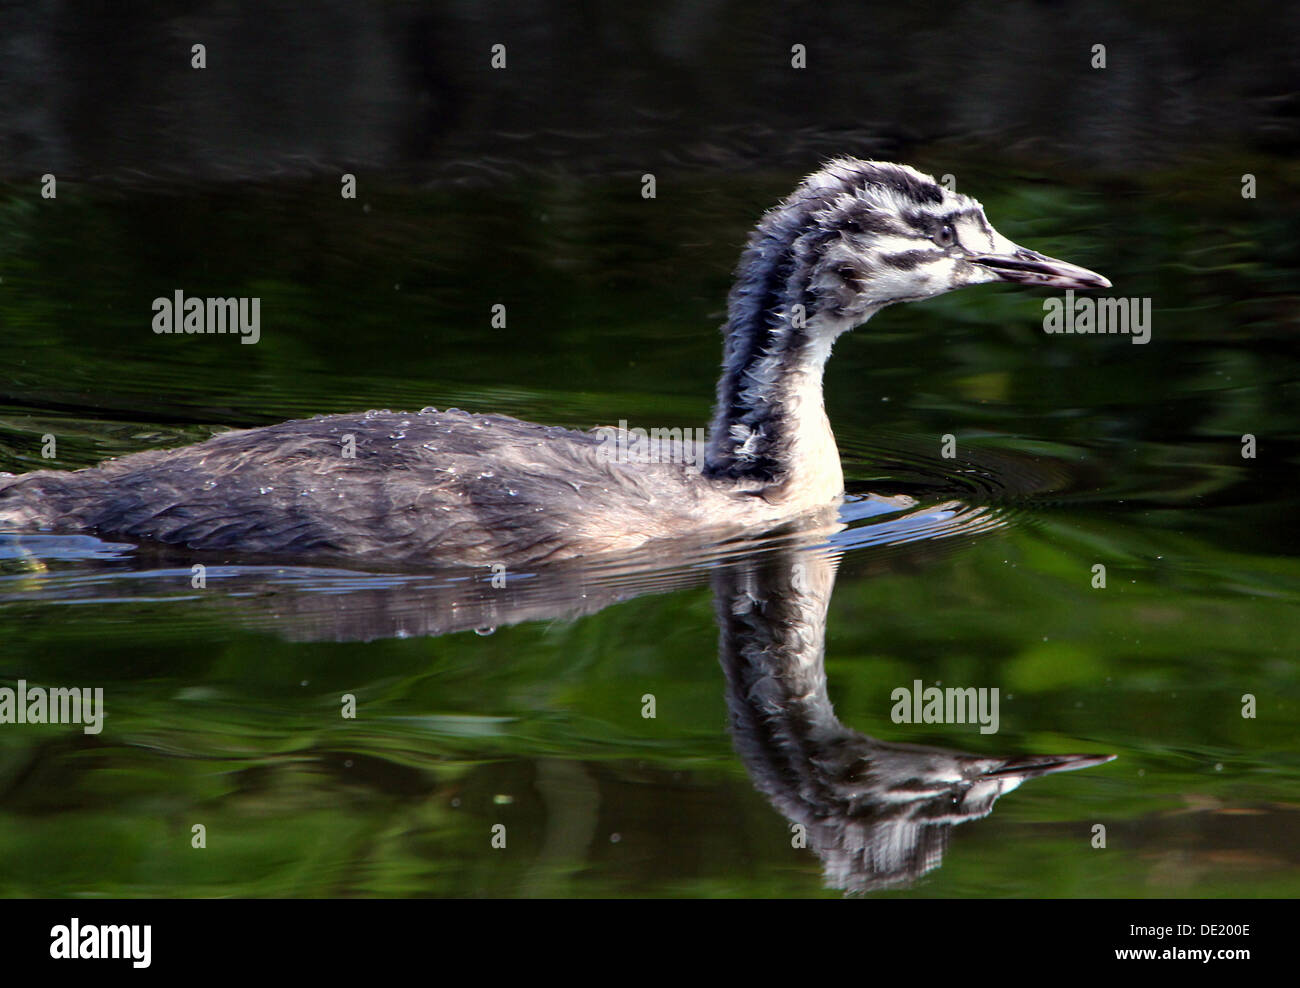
[460,488]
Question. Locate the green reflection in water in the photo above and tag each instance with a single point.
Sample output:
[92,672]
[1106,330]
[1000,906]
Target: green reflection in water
[613,310]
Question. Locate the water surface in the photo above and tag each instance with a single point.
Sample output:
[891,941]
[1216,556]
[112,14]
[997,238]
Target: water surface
[522,707]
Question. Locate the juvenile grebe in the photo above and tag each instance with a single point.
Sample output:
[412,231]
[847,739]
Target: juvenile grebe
[456,487]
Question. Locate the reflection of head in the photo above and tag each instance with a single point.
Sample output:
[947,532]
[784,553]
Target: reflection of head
[877,814]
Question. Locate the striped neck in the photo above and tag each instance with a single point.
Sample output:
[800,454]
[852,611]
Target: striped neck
[769,425]
[852,238]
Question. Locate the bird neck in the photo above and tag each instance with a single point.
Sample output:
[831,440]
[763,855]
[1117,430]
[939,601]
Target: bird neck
[769,425]
[772,620]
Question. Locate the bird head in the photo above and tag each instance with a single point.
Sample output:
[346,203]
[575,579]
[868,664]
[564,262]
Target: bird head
[880,233]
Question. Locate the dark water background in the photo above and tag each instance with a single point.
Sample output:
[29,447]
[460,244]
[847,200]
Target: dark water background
[523,187]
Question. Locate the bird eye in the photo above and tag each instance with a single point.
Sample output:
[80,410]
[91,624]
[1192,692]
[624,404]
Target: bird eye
[946,236]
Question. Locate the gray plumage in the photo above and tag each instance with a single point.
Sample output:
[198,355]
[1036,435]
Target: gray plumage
[475,489]
[451,487]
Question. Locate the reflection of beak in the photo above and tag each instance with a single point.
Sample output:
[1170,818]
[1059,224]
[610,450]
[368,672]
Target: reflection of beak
[1028,267]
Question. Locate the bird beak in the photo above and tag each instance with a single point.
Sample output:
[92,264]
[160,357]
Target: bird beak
[1032,766]
[1027,267]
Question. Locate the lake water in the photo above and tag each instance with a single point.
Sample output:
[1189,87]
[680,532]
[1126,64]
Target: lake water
[523,707]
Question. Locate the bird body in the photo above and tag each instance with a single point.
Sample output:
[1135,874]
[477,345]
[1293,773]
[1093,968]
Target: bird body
[426,485]
[456,487]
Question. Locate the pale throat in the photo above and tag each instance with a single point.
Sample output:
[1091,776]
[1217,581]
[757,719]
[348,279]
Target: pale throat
[799,461]
[813,472]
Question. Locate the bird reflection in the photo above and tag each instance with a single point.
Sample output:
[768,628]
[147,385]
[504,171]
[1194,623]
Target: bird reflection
[878,814]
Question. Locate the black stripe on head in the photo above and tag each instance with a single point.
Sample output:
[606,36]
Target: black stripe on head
[971,213]
[908,259]
[862,218]
[924,223]
[930,224]
[921,191]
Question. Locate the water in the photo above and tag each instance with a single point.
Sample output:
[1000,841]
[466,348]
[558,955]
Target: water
[478,706]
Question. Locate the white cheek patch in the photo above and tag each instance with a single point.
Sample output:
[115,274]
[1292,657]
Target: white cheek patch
[976,274]
[937,276]
[932,278]
[978,238]
[1001,245]
[893,244]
